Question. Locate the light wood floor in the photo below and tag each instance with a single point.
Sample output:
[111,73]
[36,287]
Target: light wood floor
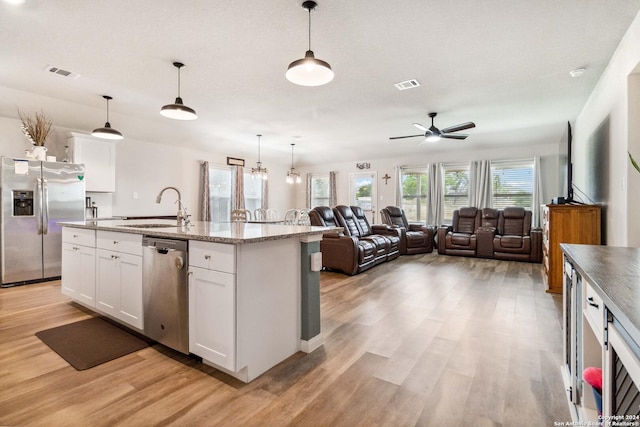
[424,340]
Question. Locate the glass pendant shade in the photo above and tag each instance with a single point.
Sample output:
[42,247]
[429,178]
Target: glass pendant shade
[293,176]
[107,132]
[259,172]
[309,71]
[178,110]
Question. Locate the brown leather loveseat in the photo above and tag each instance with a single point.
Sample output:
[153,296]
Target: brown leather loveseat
[491,233]
[358,246]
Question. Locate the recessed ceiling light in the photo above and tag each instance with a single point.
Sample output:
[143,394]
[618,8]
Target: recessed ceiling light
[578,72]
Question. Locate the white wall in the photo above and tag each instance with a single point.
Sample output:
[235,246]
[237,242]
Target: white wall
[145,168]
[548,153]
[611,113]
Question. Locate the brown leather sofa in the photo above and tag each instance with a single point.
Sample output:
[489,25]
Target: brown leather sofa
[415,238]
[355,223]
[491,233]
[358,246]
[340,252]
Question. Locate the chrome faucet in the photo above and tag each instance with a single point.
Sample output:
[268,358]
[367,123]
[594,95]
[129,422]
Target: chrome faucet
[182,216]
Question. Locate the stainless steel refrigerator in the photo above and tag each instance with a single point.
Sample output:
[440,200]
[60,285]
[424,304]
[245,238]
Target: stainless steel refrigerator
[35,197]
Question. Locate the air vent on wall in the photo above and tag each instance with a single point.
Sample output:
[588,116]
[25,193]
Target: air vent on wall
[407,84]
[61,72]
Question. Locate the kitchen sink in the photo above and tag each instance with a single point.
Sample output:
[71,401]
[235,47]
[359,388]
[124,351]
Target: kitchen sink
[148,225]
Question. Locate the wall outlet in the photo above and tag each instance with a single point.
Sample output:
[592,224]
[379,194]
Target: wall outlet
[316,261]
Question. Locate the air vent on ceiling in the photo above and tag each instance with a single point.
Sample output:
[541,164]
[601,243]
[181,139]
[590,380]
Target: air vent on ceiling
[407,84]
[61,72]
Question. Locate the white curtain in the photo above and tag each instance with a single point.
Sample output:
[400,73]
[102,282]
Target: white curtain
[265,194]
[480,191]
[238,190]
[399,186]
[333,197]
[435,196]
[205,212]
[538,196]
[308,195]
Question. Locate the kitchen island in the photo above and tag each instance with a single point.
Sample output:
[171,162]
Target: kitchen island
[253,289]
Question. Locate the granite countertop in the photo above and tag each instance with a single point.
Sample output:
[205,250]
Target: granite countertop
[614,273]
[223,232]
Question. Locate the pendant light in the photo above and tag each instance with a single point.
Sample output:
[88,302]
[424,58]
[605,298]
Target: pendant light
[309,71]
[259,172]
[293,176]
[178,110]
[107,132]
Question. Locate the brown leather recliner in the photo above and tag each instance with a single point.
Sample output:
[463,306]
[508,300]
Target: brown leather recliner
[392,235]
[460,237]
[515,239]
[415,238]
[340,252]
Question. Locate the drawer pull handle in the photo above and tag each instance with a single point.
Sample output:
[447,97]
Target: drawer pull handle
[75,236]
[591,303]
[114,257]
[75,248]
[115,242]
[207,257]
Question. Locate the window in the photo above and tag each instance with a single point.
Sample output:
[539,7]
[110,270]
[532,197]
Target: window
[512,183]
[252,192]
[319,190]
[414,193]
[456,188]
[220,180]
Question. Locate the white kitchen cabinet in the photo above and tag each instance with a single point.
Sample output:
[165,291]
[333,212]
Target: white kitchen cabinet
[99,159]
[212,316]
[79,265]
[79,273]
[119,277]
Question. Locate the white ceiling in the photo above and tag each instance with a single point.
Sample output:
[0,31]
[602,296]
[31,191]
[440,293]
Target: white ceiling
[501,64]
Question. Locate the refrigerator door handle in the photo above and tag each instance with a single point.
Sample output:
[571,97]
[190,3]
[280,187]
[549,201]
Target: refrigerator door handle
[39,199]
[45,198]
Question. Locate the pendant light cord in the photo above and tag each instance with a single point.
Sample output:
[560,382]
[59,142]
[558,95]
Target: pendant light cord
[179,82]
[292,155]
[259,148]
[107,110]
[309,28]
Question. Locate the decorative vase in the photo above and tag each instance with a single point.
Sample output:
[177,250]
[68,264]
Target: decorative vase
[39,152]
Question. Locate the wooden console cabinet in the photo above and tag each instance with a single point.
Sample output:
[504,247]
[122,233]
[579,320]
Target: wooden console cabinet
[565,224]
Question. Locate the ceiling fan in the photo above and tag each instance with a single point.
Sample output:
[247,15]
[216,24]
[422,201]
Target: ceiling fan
[433,134]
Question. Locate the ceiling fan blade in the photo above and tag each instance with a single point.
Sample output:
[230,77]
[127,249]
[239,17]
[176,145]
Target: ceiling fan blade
[408,136]
[461,126]
[454,136]
[421,127]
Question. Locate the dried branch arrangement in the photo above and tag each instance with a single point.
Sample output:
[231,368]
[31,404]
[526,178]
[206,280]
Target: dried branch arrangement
[37,128]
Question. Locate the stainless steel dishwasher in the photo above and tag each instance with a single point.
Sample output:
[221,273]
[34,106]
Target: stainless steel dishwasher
[165,291]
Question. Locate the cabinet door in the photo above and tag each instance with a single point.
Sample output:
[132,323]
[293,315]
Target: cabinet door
[108,282]
[130,310]
[79,273]
[99,158]
[212,316]
[71,270]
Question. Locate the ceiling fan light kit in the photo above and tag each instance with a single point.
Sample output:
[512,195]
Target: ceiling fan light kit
[178,110]
[309,71]
[107,132]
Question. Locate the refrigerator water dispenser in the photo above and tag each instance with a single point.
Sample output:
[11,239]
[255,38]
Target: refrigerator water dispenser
[22,203]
